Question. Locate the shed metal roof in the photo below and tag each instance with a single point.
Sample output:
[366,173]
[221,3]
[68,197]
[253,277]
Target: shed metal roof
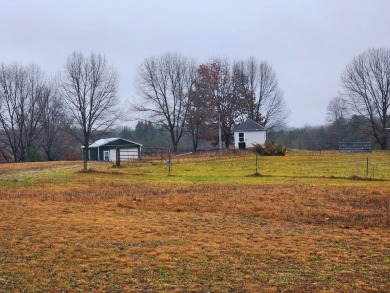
[104,141]
[249,125]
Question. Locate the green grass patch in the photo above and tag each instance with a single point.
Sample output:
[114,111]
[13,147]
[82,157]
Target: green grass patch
[308,223]
[305,167]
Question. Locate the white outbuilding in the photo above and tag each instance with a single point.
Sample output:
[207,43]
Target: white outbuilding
[249,133]
[105,149]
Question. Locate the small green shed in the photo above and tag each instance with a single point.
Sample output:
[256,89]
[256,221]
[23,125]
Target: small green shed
[105,149]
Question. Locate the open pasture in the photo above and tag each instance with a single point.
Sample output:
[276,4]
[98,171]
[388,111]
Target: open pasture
[309,222]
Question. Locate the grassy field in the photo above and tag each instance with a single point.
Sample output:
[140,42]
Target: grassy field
[311,222]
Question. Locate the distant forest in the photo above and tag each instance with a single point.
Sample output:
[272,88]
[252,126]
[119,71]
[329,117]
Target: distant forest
[183,106]
[325,137]
[151,136]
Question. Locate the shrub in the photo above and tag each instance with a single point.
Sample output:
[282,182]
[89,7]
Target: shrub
[269,149]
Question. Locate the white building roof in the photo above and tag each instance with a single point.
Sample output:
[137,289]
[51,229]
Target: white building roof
[104,141]
[249,125]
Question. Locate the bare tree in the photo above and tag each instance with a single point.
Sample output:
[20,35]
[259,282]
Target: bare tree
[338,117]
[264,101]
[164,84]
[366,82]
[54,138]
[250,68]
[337,110]
[21,88]
[89,87]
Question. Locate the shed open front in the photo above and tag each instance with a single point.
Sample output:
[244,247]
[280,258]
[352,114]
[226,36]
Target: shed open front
[105,149]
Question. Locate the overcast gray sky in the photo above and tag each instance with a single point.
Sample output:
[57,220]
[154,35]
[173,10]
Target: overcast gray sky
[308,43]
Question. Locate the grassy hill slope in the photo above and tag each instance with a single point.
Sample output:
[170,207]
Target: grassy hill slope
[310,222]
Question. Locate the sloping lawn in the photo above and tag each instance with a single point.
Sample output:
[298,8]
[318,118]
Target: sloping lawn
[308,223]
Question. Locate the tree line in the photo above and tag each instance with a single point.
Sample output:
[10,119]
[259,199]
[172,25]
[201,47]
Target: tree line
[360,112]
[182,97]
[44,117]
[31,116]
[322,137]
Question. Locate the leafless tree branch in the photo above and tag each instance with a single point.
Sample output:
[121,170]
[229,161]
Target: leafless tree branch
[89,87]
[366,83]
[164,84]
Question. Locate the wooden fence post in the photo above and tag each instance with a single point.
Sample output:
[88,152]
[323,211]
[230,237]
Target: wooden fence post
[118,157]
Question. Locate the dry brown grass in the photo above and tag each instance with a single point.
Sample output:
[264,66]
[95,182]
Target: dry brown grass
[86,234]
